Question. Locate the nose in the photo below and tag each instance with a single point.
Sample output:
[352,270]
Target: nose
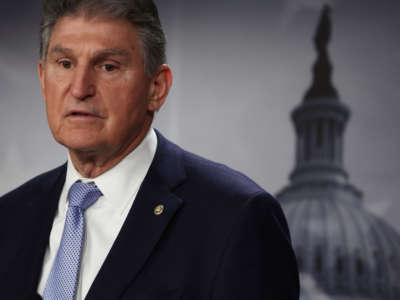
[83,86]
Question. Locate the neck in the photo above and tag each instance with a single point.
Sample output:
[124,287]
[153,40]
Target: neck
[91,164]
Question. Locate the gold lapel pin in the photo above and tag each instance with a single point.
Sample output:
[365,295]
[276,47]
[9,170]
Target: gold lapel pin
[159,209]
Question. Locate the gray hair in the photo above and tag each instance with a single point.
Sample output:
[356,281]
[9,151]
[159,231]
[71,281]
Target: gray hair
[142,14]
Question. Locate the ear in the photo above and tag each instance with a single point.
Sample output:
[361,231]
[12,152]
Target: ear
[159,87]
[41,75]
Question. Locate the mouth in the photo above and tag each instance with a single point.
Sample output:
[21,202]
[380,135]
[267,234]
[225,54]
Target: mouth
[81,115]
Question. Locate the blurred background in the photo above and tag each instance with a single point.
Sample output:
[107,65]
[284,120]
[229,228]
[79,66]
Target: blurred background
[240,69]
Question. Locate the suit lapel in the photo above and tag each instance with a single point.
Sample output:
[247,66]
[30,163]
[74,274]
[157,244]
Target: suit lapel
[142,228]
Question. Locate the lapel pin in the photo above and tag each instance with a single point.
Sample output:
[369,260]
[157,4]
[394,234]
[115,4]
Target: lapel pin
[159,209]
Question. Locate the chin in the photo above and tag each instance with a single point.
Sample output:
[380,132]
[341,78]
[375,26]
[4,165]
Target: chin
[80,143]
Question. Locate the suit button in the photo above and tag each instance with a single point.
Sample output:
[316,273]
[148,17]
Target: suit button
[159,209]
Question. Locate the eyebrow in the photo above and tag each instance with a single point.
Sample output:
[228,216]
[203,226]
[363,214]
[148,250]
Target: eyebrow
[111,52]
[60,49]
[98,53]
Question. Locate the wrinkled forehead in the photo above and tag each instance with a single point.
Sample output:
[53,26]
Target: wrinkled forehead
[85,20]
[109,33]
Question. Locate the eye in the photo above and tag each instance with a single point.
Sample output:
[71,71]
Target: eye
[65,64]
[109,67]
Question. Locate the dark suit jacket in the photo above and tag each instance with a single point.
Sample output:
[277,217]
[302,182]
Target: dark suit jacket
[220,237]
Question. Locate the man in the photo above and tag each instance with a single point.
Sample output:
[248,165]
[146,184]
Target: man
[131,215]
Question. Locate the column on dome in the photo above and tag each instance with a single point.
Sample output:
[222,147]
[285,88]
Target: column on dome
[332,141]
[338,143]
[319,139]
[307,142]
[302,142]
[340,150]
[313,139]
[326,140]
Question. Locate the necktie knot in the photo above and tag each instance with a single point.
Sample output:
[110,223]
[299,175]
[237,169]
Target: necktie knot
[83,195]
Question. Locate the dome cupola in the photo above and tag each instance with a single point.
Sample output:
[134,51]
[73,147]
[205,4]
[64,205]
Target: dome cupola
[320,120]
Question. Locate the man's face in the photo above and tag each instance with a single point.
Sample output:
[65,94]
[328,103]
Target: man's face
[98,97]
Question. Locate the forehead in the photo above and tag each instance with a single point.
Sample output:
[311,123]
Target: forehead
[94,33]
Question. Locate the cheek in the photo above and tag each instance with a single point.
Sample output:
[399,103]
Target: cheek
[129,103]
[127,117]
[53,94]
[52,116]
[51,105]
[56,82]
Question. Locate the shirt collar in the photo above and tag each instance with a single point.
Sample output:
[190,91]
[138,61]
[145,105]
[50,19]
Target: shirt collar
[119,184]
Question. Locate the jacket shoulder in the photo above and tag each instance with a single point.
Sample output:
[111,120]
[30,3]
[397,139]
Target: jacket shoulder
[219,179]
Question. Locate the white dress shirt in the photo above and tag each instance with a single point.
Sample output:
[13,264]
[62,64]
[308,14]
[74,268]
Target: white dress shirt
[105,217]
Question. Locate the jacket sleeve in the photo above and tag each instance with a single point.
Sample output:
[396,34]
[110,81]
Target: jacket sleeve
[258,261]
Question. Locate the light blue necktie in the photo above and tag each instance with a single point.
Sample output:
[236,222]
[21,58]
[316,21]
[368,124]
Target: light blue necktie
[63,278]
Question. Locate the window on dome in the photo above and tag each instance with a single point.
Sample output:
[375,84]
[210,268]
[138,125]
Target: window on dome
[339,265]
[318,263]
[339,129]
[359,267]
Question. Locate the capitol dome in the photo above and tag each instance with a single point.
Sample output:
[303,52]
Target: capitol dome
[346,250]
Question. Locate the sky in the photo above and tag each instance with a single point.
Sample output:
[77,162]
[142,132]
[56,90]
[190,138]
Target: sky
[240,68]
